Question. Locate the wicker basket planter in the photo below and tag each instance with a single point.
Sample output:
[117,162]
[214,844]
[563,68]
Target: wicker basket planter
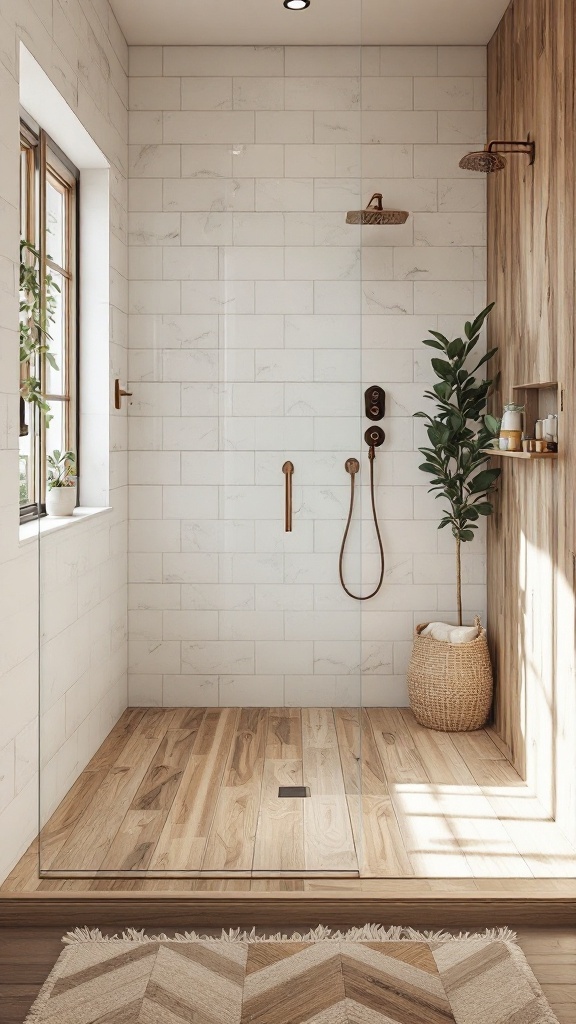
[450,685]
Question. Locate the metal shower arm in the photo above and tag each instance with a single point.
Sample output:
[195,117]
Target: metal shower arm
[515,146]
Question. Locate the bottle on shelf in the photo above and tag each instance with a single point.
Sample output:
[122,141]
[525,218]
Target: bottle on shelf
[511,428]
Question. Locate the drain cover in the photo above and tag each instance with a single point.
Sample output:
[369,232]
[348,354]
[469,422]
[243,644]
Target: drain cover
[294,791]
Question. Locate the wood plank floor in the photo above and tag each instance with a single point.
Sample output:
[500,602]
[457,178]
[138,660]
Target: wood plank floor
[28,955]
[196,790]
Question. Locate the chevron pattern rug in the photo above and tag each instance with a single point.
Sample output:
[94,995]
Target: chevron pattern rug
[366,976]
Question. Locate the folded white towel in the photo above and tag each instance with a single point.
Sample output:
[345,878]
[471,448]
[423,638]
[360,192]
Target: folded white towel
[463,634]
[450,634]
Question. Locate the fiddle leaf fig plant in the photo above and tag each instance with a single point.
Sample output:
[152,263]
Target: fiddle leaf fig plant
[35,319]
[459,433]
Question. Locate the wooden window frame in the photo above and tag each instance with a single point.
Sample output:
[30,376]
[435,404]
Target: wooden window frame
[45,163]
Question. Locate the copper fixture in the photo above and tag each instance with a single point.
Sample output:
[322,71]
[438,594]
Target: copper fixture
[376,214]
[288,470]
[119,394]
[490,158]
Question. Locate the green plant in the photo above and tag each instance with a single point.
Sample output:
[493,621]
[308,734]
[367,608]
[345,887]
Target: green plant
[23,479]
[61,469]
[35,318]
[459,434]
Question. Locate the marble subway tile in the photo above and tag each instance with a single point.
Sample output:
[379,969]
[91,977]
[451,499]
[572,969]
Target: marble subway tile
[154,161]
[322,60]
[258,161]
[462,60]
[441,93]
[409,60]
[342,93]
[206,93]
[284,127]
[257,93]
[461,126]
[389,93]
[195,126]
[206,161]
[262,690]
[191,195]
[190,691]
[290,655]
[218,656]
[201,61]
[154,93]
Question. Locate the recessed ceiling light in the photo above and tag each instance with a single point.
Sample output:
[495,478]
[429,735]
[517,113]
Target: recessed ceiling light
[296,5]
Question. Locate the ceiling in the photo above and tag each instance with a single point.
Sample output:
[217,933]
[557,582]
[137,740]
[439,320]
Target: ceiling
[325,22]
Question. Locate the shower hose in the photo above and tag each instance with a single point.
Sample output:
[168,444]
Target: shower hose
[352,467]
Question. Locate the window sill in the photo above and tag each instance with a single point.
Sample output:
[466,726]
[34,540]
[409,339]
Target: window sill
[29,532]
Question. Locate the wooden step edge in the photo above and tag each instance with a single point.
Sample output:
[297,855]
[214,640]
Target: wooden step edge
[289,909]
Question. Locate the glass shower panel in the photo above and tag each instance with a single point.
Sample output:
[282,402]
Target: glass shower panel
[240,751]
[290,413]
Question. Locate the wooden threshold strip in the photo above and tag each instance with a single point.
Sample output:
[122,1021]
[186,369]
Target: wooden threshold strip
[441,909]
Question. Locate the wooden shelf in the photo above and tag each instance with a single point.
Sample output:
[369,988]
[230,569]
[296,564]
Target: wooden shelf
[520,455]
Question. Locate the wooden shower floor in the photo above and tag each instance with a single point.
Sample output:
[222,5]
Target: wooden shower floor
[197,790]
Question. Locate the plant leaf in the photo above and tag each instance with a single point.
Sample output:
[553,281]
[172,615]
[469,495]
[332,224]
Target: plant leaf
[442,368]
[483,481]
[485,359]
[492,425]
[440,337]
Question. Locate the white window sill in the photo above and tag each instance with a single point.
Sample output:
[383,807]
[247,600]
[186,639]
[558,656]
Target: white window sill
[29,532]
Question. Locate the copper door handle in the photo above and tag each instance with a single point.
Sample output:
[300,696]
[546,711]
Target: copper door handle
[288,470]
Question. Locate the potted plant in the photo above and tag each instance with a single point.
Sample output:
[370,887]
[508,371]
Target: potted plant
[450,685]
[61,496]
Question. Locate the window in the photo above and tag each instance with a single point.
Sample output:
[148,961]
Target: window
[48,361]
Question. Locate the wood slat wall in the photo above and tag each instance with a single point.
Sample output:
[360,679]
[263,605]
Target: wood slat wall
[531,81]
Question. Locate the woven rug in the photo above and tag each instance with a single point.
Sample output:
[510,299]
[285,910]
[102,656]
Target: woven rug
[370,975]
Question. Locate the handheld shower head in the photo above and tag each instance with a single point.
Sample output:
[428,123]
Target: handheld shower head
[490,158]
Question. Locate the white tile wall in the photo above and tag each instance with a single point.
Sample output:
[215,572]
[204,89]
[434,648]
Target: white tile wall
[258,317]
[83,569]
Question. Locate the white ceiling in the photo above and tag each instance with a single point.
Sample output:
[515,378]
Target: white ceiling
[328,22]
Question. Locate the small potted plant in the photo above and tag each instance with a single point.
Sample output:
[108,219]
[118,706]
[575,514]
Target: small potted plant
[61,496]
[450,684]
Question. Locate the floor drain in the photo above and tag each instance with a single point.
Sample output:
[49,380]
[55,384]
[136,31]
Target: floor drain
[294,791]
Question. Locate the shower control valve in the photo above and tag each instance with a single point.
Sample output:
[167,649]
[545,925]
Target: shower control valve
[375,398]
[374,437]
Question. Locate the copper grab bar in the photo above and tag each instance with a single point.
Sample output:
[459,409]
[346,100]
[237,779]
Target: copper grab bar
[288,470]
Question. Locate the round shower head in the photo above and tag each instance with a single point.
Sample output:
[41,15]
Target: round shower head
[376,214]
[484,161]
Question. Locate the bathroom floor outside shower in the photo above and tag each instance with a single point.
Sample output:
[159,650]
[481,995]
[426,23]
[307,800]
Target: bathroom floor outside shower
[177,795]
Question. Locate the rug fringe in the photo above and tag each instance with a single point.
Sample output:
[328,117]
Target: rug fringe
[367,933]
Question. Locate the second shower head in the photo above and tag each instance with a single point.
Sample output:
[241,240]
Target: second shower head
[375,213]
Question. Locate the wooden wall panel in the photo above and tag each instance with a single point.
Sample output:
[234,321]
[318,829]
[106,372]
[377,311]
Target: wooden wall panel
[532,537]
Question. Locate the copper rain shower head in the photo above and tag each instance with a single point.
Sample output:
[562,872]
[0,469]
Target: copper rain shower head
[490,158]
[376,214]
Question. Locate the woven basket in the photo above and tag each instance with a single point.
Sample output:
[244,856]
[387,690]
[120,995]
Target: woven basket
[450,685]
